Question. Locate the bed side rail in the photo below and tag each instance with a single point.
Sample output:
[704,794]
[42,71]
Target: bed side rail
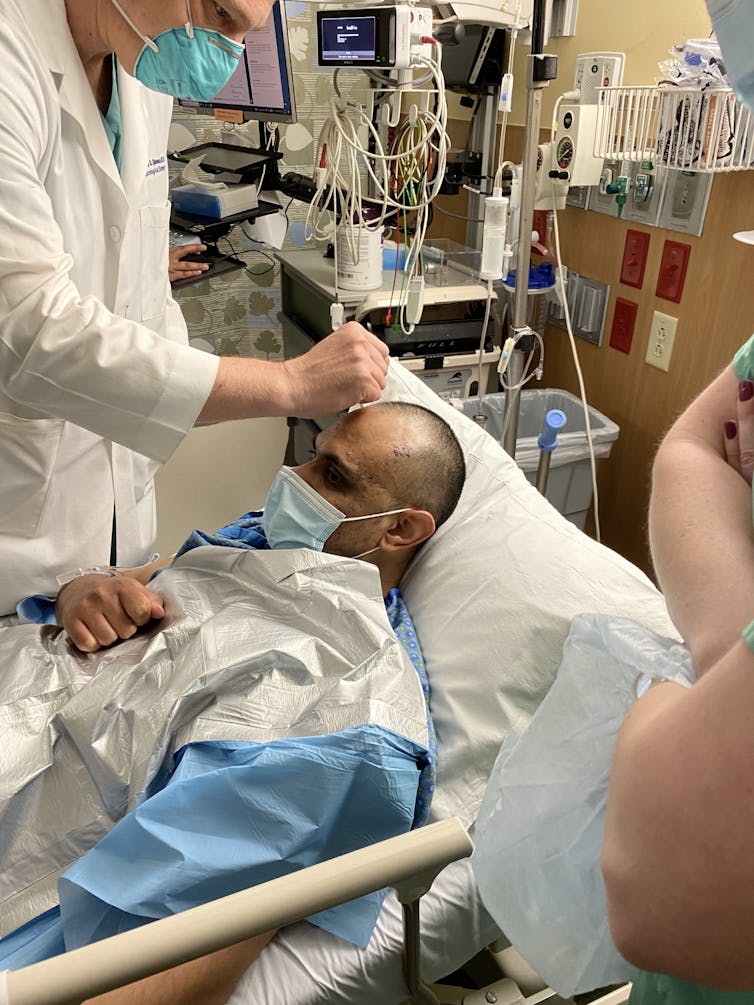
[409,862]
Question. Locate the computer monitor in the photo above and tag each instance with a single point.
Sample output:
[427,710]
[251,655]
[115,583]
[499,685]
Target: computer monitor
[261,88]
[475,64]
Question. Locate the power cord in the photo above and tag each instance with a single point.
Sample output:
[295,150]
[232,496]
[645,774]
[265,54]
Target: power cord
[569,328]
[405,178]
[236,253]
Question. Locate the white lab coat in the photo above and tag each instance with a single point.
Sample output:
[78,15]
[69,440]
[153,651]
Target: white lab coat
[97,383]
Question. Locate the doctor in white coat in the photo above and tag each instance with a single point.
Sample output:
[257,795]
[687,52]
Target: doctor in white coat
[97,382]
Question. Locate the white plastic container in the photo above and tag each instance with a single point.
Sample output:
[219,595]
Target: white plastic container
[493,235]
[362,271]
[569,486]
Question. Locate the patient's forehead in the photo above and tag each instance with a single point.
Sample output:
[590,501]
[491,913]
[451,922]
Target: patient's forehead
[373,437]
[372,429]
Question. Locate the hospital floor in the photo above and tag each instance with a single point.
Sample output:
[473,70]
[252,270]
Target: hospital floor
[217,473]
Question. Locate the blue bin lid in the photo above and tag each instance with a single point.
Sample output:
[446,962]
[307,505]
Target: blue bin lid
[541,277]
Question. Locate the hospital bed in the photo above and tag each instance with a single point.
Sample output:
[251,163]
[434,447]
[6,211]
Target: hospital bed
[492,596]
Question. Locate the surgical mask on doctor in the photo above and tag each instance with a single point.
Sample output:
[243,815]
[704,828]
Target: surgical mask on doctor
[187,62]
[296,516]
[733,21]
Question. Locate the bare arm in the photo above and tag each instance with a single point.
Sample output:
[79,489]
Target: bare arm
[209,980]
[700,524]
[677,855]
[347,367]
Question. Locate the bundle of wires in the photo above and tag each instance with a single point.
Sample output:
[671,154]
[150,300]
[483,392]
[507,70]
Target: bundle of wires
[401,180]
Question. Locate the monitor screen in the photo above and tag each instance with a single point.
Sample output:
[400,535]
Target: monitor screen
[262,86]
[351,38]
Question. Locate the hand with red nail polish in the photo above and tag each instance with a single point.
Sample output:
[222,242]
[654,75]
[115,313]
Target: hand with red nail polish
[739,433]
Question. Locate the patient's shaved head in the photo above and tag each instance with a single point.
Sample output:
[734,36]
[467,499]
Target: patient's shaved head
[411,452]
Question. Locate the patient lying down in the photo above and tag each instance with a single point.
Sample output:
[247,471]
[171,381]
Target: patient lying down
[264,718]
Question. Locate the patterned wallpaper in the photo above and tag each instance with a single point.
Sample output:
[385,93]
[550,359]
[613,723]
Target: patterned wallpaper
[236,314]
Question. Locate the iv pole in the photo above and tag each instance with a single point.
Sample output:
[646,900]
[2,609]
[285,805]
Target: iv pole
[540,70]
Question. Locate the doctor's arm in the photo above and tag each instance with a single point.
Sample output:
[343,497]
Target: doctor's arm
[677,859]
[347,367]
[700,522]
[64,355]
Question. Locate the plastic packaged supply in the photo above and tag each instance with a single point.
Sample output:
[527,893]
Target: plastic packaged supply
[540,827]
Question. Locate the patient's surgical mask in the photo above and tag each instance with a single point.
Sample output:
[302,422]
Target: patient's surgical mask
[186,62]
[733,21]
[297,516]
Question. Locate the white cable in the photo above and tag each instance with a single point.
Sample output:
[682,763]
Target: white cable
[399,177]
[497,183]
[571,339]
[527,374]
[483,336]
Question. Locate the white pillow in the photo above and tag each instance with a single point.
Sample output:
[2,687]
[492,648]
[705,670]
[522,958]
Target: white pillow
[492,595]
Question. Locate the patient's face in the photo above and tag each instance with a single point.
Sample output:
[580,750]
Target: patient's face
[352,469]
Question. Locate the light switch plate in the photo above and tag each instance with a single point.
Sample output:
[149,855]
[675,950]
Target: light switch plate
[672,274]
[624,322]
[634,262]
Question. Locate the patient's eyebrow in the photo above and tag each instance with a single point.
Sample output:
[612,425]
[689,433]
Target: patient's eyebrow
[352,474]
[323,453]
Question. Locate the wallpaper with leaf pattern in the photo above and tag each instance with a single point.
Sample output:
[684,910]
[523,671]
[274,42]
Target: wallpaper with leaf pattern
[236,314]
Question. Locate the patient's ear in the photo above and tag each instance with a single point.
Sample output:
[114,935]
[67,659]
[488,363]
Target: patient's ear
[410,529]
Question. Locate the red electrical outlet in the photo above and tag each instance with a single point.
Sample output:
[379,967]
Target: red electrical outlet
[539,223]
[634,258]
[624,320]
[675,260]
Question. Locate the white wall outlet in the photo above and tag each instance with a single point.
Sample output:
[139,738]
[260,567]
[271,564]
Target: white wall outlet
[661,338]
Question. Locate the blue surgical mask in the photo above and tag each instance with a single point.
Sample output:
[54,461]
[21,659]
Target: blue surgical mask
[187,62]
[296,516]
[733,21]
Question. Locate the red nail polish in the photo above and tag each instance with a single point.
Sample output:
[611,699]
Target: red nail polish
[745,390]
[730,429]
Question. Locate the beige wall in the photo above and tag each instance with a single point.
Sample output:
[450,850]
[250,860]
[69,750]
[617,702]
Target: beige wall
[217,474]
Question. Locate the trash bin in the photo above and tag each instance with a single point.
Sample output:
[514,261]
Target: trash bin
[569,487]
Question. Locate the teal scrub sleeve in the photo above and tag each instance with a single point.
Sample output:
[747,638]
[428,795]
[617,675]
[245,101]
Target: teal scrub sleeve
[748,635]
[743,361]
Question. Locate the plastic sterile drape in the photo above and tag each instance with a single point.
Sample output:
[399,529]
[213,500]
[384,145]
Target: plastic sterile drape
[261,655]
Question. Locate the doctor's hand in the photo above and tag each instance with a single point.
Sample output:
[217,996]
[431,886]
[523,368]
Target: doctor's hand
[179,269]
[97,611]
[347,368]
[739,433]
